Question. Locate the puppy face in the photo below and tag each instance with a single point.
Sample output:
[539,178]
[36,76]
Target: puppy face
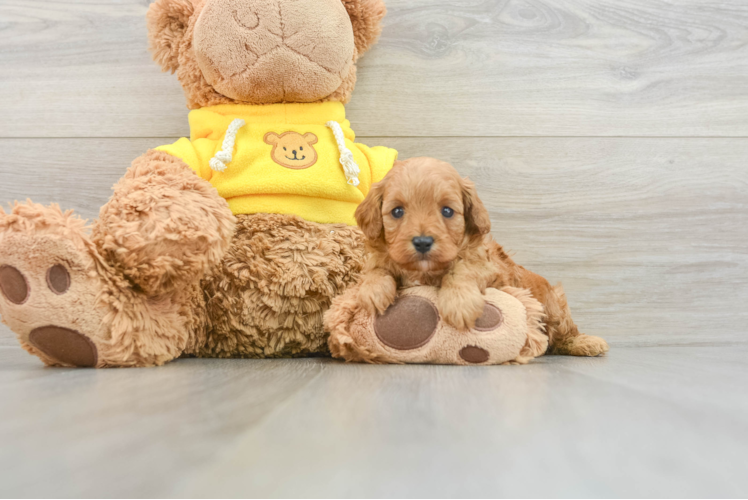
[424,213]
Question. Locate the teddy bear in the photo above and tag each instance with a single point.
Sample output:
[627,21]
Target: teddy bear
[232,242]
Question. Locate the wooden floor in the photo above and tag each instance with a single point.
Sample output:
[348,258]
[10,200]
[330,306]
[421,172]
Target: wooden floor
[609,140]
[657,421]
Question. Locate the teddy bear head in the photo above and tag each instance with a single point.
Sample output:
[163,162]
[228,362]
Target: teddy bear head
[263,51]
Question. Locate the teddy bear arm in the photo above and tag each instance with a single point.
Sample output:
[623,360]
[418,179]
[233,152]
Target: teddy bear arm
[164,226]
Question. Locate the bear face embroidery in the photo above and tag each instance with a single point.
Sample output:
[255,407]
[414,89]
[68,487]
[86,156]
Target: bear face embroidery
[292,150]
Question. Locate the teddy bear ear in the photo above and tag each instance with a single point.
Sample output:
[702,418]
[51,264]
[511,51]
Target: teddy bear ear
[167,22]
[366,17]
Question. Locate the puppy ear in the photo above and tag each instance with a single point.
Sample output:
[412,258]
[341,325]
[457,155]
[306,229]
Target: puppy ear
[271,138]
[369,213]
[477,221]
[366,17]
[310,138]
[167,22]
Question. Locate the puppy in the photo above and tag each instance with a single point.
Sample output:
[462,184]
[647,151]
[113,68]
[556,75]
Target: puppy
[425,225]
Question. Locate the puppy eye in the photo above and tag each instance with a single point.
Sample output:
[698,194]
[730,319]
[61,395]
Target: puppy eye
[447,212]
[301,148]
[398,212]
[284,149]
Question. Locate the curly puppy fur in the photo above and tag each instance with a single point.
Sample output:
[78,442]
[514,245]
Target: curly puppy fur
[426,198]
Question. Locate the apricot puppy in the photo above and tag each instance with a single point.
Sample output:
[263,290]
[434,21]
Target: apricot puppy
[425,225]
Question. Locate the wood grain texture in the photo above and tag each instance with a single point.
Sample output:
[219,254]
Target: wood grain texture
[549,429]
[672,418]
[443,68]
[647,235]
[128,432]
[7,338]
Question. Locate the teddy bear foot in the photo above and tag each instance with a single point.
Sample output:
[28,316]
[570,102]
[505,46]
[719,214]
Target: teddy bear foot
[412,331]
[49,285]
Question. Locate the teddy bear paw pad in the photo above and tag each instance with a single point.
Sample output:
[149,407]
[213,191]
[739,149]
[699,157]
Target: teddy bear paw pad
[13,285]
[65,345]
[490,320]
[474,354]
[407,324]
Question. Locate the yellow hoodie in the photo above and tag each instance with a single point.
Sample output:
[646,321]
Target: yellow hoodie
[283,159]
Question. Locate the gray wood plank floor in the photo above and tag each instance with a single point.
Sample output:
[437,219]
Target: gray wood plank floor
[609,140]
[661,421]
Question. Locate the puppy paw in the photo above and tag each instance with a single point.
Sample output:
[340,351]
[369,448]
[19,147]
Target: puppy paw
[375,295]
[581,345]
[461,307]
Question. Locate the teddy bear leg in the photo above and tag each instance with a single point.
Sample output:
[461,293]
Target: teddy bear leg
[68,307]
[130,294]
[65,304]
[565,337]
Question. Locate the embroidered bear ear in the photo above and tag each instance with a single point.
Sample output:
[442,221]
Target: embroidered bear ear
[366,17]
[167,23]
[310,138]
[271,138]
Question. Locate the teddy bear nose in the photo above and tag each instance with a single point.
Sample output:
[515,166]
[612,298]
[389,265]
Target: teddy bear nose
[294,152]
[423,243]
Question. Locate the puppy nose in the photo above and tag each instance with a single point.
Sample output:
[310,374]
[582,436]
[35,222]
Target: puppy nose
[294,152]
[423,243]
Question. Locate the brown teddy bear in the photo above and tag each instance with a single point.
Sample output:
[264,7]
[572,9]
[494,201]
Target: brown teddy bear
[231,243]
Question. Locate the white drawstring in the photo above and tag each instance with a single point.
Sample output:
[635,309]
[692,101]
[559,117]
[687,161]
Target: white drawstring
[346,157]
[222,158]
